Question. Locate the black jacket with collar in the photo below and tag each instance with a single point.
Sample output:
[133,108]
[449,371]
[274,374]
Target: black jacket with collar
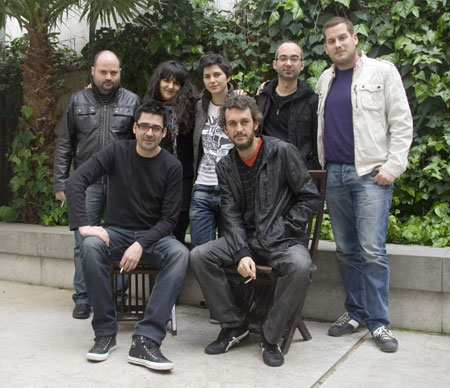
[285,199]
[302,127]
[88,125]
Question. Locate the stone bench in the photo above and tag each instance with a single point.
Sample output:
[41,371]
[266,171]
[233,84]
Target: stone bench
[419,284]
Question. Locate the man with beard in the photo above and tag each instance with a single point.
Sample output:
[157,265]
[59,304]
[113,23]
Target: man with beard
[267,197]
[289,105]
[93,118]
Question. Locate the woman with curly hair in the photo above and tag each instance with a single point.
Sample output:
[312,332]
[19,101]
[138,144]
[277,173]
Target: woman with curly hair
[171,85]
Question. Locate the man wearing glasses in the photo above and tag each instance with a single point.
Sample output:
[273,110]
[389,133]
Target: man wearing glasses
[144,200]
[289,105]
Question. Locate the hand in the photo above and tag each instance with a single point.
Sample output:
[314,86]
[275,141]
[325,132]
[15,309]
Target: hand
[383,178]
[261,87]
[97,231]
[247,268]
[240,92]
[131,257]
[60,196]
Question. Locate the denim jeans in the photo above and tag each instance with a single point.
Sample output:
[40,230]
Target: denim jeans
[204,214]
[168,255]
[359,213]
[294,266]
[95,207]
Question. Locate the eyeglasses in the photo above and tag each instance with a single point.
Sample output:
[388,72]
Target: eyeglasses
[144,127]
[284,58]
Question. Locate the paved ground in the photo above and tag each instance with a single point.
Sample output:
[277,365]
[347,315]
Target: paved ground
[41,345]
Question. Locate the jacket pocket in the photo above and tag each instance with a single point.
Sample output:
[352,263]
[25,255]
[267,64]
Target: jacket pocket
[371,96]
[122,121]
[87,117]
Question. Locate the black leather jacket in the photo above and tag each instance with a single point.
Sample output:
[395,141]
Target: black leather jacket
[88,125]
[285,199]
[302,122]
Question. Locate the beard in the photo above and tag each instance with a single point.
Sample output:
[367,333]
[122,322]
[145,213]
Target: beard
[247,144]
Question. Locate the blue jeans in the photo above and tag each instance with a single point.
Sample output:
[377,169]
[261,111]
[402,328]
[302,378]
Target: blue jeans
[95,207]
[204,214]
[359,213]
[168,255]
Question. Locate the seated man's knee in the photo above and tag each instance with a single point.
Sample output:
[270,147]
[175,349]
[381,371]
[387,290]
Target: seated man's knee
[197,257]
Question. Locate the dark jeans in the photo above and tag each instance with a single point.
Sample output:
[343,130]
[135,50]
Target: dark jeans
[168,255]
[294,266]
[95,206]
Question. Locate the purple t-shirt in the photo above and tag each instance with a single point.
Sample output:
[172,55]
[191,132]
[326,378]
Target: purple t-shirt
[338,130]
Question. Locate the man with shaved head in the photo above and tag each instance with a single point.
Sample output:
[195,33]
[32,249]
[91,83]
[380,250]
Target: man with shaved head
[93,118]
[289,105]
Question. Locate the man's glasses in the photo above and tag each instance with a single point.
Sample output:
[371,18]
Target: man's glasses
[144,127]
[294,59]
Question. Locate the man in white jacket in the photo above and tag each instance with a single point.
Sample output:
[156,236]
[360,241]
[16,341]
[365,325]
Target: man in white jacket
[364,133]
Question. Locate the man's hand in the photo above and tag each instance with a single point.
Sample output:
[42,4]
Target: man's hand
[260,88]
[97,231]
[247,268]
[383,178]
[60,196]
[131,257]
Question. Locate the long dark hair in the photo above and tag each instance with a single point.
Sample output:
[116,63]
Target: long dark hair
[184,102]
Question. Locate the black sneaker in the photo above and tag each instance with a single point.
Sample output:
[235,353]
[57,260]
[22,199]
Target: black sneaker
[146,352]
[102,347]
[384,339]
[228,337]
[272,355]
[81,311]
[344,325]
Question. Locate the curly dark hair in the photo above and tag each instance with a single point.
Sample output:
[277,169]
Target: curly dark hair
[242,103]
[186,98]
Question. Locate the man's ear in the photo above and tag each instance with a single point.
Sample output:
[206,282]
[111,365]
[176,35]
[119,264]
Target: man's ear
[134,128]
[164,133]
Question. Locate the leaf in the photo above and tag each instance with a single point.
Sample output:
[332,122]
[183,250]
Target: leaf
[274,17]
[361,29]
[345,3]
[27,111]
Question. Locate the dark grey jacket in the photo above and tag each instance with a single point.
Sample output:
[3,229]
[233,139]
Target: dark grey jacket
[88,125]
[302,127]
[285,199]
[201,115]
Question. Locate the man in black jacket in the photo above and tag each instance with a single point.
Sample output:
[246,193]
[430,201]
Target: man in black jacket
[267,197]
[289,105]
[93,118]
[144,201]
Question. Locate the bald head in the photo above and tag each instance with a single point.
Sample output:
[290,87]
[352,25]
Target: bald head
[106,72]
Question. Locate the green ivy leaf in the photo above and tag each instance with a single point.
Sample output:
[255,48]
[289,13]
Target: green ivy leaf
[27,111]
[274,17]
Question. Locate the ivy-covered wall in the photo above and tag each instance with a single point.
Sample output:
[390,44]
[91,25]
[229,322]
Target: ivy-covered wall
[413,34]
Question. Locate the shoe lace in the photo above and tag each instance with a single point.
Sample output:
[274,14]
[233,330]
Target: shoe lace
[151,347]
[343,319]
[102,342]
[383,333]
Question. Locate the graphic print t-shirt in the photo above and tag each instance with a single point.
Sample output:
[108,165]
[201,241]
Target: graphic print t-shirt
[216,145]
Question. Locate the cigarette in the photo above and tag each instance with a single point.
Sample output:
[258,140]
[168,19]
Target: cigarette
[62,203]
[121,270]
[248,280]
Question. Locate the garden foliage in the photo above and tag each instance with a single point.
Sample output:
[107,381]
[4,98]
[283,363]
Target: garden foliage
[413,34]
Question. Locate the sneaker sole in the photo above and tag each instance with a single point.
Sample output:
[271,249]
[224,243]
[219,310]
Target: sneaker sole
[99,357]
[237,340]
[359,328]
[151,364]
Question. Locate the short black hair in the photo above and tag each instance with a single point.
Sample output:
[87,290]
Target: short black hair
[214,59]
[243,102]
[153,107]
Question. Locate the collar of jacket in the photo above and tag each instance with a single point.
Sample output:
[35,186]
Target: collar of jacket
[206,96]
[112,96]
[303,89]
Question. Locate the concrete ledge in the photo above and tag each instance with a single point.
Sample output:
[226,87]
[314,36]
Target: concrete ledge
[419,284]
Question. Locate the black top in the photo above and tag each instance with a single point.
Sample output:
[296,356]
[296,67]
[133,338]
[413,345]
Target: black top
[276,122]
[143,193]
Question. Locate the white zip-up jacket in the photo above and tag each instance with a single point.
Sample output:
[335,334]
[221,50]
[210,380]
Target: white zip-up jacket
[382,121]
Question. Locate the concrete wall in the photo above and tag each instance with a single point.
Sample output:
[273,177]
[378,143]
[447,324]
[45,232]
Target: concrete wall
[419,285]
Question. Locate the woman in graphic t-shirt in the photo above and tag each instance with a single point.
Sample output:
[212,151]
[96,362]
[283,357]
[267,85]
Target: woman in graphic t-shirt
[210,145]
